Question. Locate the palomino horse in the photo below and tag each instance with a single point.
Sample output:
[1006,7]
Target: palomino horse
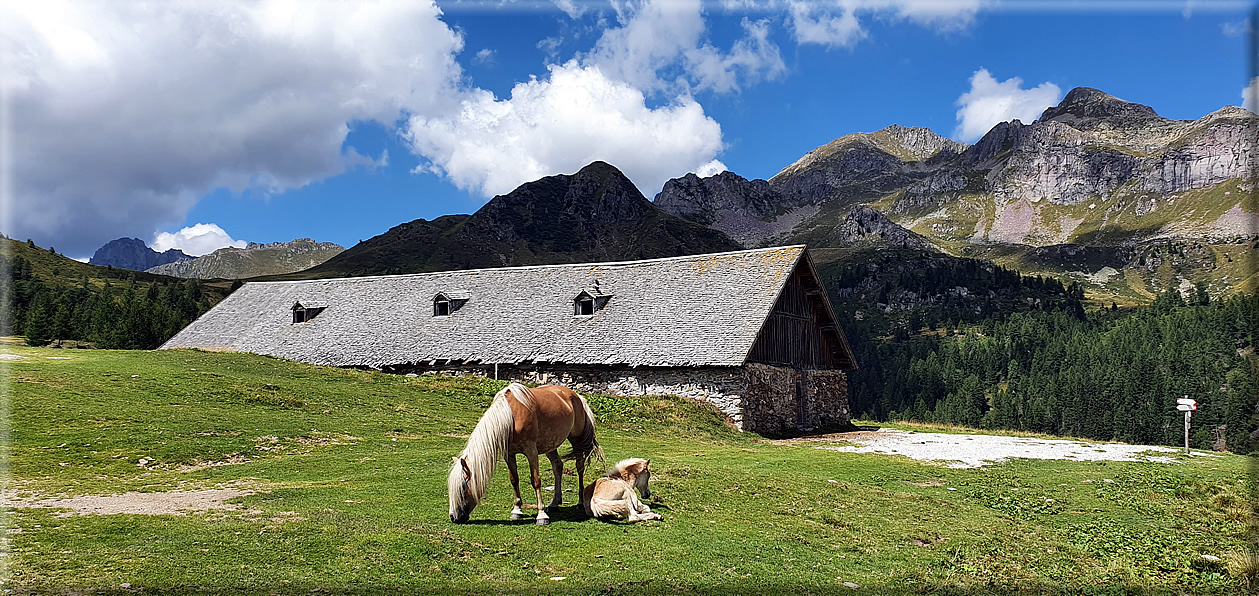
[528,421]
[613,495]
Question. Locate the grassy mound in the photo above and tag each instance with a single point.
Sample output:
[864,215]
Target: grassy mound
[347,470]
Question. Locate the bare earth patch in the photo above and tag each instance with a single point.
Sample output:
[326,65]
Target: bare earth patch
[973,451]
[179,502]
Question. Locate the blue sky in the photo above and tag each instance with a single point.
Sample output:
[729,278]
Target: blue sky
[270,120]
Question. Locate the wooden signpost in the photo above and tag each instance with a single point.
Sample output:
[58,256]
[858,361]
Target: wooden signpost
[1187,406]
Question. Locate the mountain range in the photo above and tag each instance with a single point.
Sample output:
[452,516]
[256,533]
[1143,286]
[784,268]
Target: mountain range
[596,214]
[1097,190]
[254,260]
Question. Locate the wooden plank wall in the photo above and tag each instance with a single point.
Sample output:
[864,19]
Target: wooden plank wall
[791,336]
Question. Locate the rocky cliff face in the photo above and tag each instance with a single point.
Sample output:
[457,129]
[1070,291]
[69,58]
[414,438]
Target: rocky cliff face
[1093,145]
[1093,171]
[749,211]
[867,227]
[254,260]
[1092,163]
[134,254]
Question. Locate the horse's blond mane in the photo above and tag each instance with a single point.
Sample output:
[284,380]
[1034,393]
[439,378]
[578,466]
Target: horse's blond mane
[618,470]
[488,443]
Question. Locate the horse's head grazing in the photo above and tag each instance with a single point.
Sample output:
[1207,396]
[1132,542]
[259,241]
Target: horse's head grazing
[462,499]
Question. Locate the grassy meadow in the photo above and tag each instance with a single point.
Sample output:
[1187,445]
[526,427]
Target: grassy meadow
[348,470]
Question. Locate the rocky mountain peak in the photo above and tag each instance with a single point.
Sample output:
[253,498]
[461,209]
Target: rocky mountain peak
[913,143]
[1085,108]
[134,254]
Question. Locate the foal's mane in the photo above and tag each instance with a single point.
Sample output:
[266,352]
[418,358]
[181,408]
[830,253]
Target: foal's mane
[489,440]
[619,470]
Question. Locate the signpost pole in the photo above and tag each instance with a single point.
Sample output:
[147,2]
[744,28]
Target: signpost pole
[1186,432]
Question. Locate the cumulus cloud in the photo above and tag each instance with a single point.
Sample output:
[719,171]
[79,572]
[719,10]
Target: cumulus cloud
[821,27]
[196,240]
[660,46]
[1250,96]
[121,115]
[838,23]
[561,123]
[990,102]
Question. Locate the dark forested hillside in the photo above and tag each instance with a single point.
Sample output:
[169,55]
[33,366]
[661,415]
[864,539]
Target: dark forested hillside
[1009,360]
[49,298]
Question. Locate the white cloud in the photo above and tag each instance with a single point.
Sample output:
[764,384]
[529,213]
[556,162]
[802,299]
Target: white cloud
[838,24]
[122,114]
[484,56]
[1250,96]
[1236,28]
[573,8]
[197,240]
[557,125]
[661,47]
[990,102]
[822,28]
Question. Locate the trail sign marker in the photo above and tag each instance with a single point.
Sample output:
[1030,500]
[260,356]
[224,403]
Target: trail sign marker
[1187,406]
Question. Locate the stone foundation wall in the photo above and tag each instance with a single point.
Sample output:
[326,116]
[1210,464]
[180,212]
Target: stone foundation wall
[756,397]
[785,400]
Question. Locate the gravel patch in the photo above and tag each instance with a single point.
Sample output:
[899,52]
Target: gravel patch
[973,451]
[179,502]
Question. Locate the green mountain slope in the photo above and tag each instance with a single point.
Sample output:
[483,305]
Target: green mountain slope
[47,297]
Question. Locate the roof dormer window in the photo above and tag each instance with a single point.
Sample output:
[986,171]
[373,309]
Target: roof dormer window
[585,306]
[589,301]
[306,312]
[445,303]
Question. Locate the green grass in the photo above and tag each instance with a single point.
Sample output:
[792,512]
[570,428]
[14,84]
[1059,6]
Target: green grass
[350,469]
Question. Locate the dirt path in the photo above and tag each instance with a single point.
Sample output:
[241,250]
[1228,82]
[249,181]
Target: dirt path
[972,451]
[178,502]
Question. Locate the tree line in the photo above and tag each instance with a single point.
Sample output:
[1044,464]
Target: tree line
[127,316]
[1103,374]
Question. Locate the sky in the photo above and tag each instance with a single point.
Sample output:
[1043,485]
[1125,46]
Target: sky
[198,125]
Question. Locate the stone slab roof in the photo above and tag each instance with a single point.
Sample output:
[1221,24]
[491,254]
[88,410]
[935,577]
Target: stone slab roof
[703,310]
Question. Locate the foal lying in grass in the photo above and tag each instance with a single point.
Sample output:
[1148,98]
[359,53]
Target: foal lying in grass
[612,497]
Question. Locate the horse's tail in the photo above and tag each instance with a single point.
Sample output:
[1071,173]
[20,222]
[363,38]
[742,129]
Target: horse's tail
[585,446]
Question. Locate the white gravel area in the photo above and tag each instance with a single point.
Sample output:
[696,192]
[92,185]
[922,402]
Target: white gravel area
[973,451]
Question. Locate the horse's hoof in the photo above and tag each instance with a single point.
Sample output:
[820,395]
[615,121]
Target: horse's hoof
[517,516]
[542,521]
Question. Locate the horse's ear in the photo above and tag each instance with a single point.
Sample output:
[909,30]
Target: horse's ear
[463,461]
